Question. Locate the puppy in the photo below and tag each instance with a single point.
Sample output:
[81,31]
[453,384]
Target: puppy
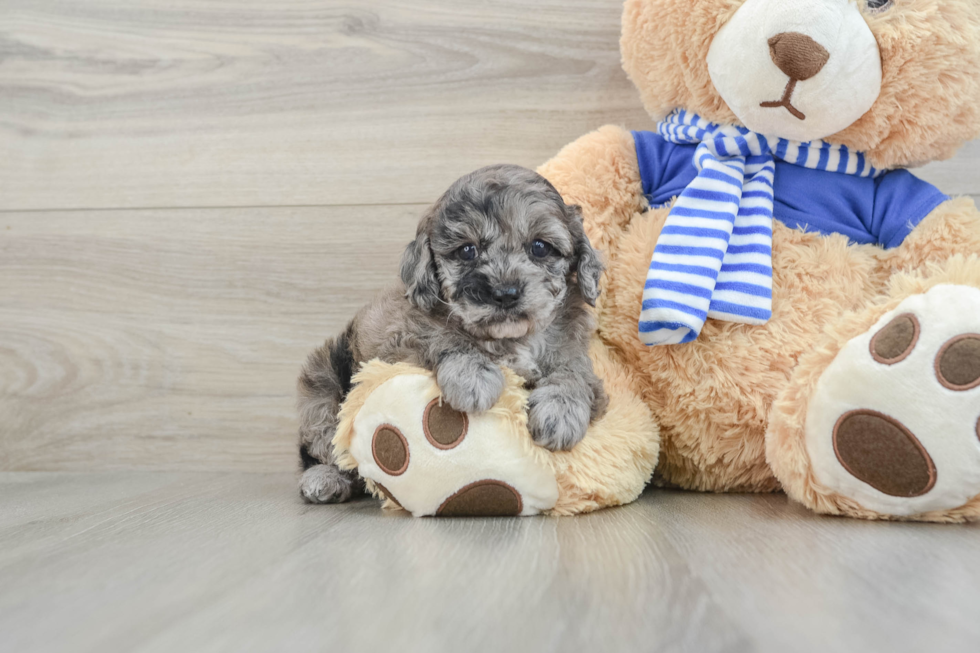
[498,275]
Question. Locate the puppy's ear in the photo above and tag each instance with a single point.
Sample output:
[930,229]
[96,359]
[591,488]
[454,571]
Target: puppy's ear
[419,271]
[588,266]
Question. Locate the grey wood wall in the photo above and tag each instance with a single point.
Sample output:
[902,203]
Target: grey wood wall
[194,193]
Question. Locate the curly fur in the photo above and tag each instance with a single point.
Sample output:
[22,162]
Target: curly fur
[500,274]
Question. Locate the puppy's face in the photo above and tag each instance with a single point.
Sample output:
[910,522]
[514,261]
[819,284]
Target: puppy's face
[499,251]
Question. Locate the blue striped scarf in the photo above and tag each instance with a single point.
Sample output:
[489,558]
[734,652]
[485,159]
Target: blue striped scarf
[714,255]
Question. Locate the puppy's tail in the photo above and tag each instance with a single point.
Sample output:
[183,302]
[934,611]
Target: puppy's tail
[323,386]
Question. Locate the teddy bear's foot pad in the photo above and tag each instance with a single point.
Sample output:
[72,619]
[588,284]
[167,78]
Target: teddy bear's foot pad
[894,423]
[880,451]
[483,499]
[431,460]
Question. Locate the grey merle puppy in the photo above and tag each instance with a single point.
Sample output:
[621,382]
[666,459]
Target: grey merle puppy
[499,274]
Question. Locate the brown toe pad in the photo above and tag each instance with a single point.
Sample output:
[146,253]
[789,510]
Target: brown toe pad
[483,499]
[958,363]
[444,427]
[390,450]
[896,340]
[883,453]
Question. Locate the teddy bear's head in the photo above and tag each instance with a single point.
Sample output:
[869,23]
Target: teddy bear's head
[896,79]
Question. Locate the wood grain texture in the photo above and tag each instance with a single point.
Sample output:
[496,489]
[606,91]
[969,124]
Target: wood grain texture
[188,103]
[167,103]
[235,562]
[172,339]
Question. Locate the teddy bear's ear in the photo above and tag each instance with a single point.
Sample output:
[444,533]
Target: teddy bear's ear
[418,270]
[588,266]
[930,98]
[664,46]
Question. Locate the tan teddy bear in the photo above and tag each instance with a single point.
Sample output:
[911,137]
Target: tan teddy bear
[835,355]
[792,307]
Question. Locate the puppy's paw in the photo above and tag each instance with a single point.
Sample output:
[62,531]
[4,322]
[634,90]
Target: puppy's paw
[328,484]
[470,385]
[558,417]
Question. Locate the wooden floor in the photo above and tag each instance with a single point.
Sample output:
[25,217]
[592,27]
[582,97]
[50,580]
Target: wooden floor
[235,562]
[193,194]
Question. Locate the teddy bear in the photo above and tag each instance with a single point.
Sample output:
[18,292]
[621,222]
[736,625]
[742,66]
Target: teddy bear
[797,309]
[785,306]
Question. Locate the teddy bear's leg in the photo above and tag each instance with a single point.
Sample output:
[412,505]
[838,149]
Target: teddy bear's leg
[600,173]
[883,419]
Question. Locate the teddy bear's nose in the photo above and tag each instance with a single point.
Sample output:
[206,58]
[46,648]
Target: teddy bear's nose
[798,55]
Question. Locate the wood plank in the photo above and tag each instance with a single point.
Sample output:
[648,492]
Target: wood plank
[799,581]
[164,562]
[153,103]
[215,562]
[172,339]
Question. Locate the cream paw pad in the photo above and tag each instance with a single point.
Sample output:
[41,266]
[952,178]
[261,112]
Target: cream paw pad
[895,420]
[429,459]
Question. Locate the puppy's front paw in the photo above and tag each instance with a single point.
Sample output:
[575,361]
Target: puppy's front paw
[557,417]
[327,484]
[469,384]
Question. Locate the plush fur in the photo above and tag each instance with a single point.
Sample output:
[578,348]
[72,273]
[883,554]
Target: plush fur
[732,405]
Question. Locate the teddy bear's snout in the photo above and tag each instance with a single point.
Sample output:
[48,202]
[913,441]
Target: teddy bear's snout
[798,55]
[797,69]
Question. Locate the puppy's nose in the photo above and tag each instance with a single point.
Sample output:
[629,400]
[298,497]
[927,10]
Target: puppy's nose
[506,296]
[798,55]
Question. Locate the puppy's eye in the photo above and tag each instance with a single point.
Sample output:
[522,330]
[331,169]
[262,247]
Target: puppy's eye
[879,5]
[467,252]
[541,249]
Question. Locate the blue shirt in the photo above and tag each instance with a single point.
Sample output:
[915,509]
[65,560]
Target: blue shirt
[881,211]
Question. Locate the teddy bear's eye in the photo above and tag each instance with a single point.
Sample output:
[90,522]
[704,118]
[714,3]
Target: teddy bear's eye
[879,5]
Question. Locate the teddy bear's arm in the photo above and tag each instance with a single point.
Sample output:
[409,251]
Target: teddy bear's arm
[600,173]
[952,228]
